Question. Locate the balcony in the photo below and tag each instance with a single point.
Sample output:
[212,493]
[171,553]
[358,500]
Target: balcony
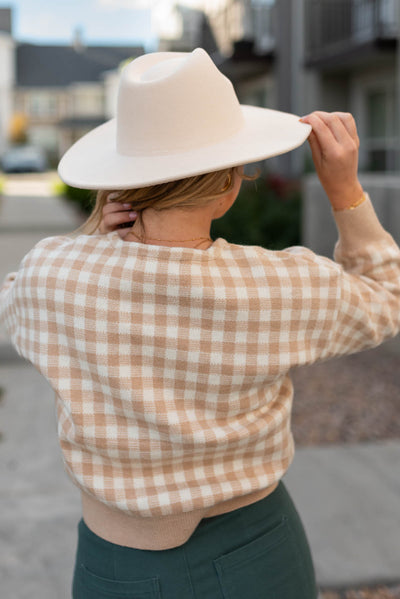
[341,30]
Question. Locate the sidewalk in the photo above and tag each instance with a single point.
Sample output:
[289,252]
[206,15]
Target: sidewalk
[349,500]
[348,497]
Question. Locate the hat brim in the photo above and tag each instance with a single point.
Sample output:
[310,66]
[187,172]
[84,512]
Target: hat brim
[93,162]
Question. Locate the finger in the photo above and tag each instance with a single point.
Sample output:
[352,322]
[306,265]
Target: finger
[350,124]
[119,218]
[320,130]
[335,124]
[116,207]
[315,146]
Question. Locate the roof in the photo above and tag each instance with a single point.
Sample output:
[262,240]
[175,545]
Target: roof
[85,122]
[58,66]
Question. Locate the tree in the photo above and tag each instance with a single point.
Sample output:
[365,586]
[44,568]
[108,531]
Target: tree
[18,130]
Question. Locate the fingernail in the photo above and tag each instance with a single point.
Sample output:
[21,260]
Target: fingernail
[132,214]
[112,196]
[126,205]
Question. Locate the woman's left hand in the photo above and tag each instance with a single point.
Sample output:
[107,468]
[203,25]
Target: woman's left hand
[117,216]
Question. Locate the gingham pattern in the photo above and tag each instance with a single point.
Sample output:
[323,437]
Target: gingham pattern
[170,365]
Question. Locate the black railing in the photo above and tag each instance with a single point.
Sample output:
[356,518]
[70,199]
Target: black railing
[334,25]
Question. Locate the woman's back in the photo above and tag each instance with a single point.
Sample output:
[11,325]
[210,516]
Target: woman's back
[170,364]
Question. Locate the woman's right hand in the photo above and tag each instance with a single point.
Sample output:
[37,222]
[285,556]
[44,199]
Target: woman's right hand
[334,146]
[117,216]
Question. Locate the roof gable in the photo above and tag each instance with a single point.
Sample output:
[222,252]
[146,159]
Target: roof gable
[59,66]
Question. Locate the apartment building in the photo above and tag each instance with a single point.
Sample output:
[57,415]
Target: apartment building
[65,91]
[351,47]
[7,74]
[300,55]
[62,91]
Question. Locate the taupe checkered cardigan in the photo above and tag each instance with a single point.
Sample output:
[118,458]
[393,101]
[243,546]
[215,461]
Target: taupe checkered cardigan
[171,365]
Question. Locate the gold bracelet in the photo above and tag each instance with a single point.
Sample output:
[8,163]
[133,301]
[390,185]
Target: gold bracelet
[354,205]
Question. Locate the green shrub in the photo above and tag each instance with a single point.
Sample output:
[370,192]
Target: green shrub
[84,198]
[267,212]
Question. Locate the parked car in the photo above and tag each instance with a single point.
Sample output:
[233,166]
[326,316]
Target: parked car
[23,159]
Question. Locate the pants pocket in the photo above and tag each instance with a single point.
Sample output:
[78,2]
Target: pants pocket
[87,585]
[268,567]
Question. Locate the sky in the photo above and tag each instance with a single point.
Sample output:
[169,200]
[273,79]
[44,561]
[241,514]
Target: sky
[119,22]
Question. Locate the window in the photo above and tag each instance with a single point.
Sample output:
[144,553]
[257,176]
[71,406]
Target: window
[87,102]
[381,129]
[377,114]
[43,104]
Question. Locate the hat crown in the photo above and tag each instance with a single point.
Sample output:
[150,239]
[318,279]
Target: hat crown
[174,101]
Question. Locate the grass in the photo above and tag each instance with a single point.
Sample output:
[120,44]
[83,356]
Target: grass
[58,188]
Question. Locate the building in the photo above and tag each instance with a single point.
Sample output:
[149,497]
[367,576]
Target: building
[230,21]
[7,74]
[62,91]
[352,58]
[65,90]
[351,47]
[238,35]
[302,55]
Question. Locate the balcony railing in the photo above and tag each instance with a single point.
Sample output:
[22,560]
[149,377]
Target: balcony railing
[263,25]
[338,25]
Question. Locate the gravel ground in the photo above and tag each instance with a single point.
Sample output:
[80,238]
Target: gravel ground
[378,592]
[351,399]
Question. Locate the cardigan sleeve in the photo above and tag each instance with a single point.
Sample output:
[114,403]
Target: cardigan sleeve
[7,304]
[369,280]
[16,300]
[7,284]
[352,303]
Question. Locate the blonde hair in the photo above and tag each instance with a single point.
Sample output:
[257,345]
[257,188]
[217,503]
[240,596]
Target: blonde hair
[190,192]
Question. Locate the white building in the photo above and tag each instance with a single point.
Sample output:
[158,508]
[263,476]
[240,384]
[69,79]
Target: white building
[62,91]
[7,75]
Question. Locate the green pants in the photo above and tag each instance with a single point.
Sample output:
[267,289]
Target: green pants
[256,552]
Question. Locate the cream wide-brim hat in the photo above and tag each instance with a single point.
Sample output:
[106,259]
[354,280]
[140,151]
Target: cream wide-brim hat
[177,116]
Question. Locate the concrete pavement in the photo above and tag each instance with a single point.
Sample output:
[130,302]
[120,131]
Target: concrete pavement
[349,500]
[348,497]
[39,506]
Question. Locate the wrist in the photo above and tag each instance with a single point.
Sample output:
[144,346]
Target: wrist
[348,199]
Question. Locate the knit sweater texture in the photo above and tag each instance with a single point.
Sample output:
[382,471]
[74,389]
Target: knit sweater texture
[171,366]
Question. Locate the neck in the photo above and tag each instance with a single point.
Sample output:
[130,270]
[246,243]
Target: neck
[173,227]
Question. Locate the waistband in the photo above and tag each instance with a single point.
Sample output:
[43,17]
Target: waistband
[155,534]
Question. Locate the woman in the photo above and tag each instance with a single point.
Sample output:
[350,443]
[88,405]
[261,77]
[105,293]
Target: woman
[170,353]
